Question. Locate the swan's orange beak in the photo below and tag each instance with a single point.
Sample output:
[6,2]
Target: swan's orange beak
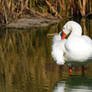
[63,35]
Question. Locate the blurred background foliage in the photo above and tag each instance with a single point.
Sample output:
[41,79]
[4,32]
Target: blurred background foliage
[11,10]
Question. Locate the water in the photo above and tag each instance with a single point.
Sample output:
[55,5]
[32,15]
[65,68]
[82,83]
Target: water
[74,84]
[26,64]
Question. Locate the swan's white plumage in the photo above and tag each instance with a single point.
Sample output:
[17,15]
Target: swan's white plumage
[58,49]
[77,47]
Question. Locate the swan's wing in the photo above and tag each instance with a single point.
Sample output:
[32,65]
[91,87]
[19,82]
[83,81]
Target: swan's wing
[87,39]
[79,48]
[89,42]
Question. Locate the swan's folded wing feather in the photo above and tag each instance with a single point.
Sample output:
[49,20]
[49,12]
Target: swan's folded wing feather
[87,39]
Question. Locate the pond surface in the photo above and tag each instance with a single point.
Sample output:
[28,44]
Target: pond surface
[26,64]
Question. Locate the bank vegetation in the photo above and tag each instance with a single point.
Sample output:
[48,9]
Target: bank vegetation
[11,10]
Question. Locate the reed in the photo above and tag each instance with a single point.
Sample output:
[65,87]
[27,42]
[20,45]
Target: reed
[11,10]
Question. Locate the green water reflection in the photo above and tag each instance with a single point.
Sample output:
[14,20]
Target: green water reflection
[74,84]
[26,64]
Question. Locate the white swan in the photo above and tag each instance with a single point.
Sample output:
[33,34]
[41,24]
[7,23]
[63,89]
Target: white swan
[76,48]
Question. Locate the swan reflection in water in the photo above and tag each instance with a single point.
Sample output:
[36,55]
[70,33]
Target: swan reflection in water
[74,84]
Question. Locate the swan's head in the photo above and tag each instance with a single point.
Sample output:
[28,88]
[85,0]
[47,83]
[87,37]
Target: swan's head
[71,27]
